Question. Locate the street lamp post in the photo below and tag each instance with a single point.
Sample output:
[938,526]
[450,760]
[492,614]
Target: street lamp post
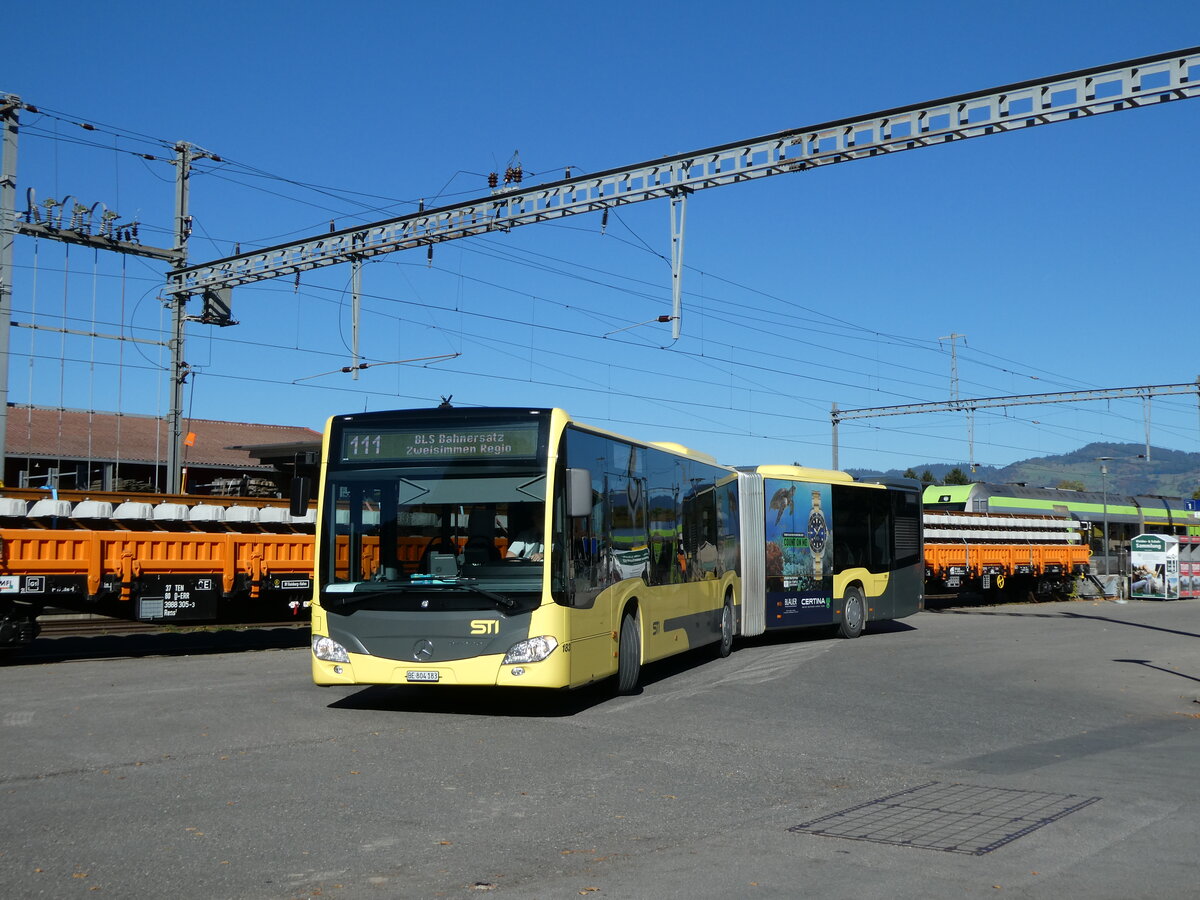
[1104,490]
[1104,460]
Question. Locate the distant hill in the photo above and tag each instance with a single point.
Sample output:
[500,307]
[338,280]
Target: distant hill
[1170,473]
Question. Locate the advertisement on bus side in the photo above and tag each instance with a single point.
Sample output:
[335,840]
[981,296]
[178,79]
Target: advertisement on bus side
[799,543]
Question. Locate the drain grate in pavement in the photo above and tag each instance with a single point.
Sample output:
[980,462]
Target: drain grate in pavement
[957,818]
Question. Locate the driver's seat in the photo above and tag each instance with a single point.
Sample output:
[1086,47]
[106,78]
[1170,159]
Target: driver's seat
[480,547]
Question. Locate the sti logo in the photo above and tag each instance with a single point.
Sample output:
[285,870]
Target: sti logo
[485,626]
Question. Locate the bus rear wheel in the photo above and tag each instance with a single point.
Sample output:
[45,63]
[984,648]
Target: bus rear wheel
[854,614]
[725,645]
[629,655]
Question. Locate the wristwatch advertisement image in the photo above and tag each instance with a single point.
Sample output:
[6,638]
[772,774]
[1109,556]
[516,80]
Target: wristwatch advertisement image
[818,535]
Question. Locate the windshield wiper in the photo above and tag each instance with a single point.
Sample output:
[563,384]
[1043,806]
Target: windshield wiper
[503,599]
[455,581]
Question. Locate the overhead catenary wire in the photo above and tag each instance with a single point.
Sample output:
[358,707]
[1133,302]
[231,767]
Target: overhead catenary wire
[371,365]
[716,314]
[850,336]
[340,193]
[732,321]
[315,349]
[558,384]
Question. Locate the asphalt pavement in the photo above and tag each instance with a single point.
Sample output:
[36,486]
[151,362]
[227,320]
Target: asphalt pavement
[1041,750]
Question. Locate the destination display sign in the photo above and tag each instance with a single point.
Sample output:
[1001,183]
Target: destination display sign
[502,442]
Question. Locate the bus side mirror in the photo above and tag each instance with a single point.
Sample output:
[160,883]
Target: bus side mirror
[300,494]
[579,493]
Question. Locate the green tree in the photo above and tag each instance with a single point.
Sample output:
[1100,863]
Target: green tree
[927,477]
[909,473]
[957,476]
[1070,484]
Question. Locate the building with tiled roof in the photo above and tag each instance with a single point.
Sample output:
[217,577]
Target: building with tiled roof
[121,452]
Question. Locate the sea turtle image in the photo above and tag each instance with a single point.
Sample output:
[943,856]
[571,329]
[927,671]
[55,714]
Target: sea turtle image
[783,501]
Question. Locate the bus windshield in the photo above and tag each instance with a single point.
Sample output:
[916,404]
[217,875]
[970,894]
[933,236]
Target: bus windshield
[424,527]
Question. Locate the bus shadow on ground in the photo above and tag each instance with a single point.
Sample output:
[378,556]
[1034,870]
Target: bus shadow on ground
[541,703]
[512,701]
[490,702]
[109,646]
[823,633]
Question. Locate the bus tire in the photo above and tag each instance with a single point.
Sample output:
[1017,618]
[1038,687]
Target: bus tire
[854,614]
[725,645]
[629,655]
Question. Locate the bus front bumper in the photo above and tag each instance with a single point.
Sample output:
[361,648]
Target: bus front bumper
[488,670]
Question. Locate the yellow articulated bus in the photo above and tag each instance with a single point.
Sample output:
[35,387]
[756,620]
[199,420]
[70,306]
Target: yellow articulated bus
[518,547]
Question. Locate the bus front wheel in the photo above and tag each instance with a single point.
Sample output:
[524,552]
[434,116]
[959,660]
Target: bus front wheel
[854,614]
[629,655]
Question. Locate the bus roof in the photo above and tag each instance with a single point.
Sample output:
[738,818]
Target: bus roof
[804,473]
[684,451]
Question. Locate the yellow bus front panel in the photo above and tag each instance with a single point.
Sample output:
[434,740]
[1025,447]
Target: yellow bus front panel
[468,648]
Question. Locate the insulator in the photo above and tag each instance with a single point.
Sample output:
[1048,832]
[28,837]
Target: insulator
[493,179]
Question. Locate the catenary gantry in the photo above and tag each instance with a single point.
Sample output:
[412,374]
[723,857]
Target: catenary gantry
[1130,84]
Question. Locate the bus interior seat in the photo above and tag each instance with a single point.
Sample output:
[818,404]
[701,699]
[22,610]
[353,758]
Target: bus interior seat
[480,547]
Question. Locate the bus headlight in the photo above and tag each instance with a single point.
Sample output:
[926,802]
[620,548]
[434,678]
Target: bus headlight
[328,649]
[531,650]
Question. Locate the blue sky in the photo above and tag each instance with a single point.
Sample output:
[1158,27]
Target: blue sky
[1065,254]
